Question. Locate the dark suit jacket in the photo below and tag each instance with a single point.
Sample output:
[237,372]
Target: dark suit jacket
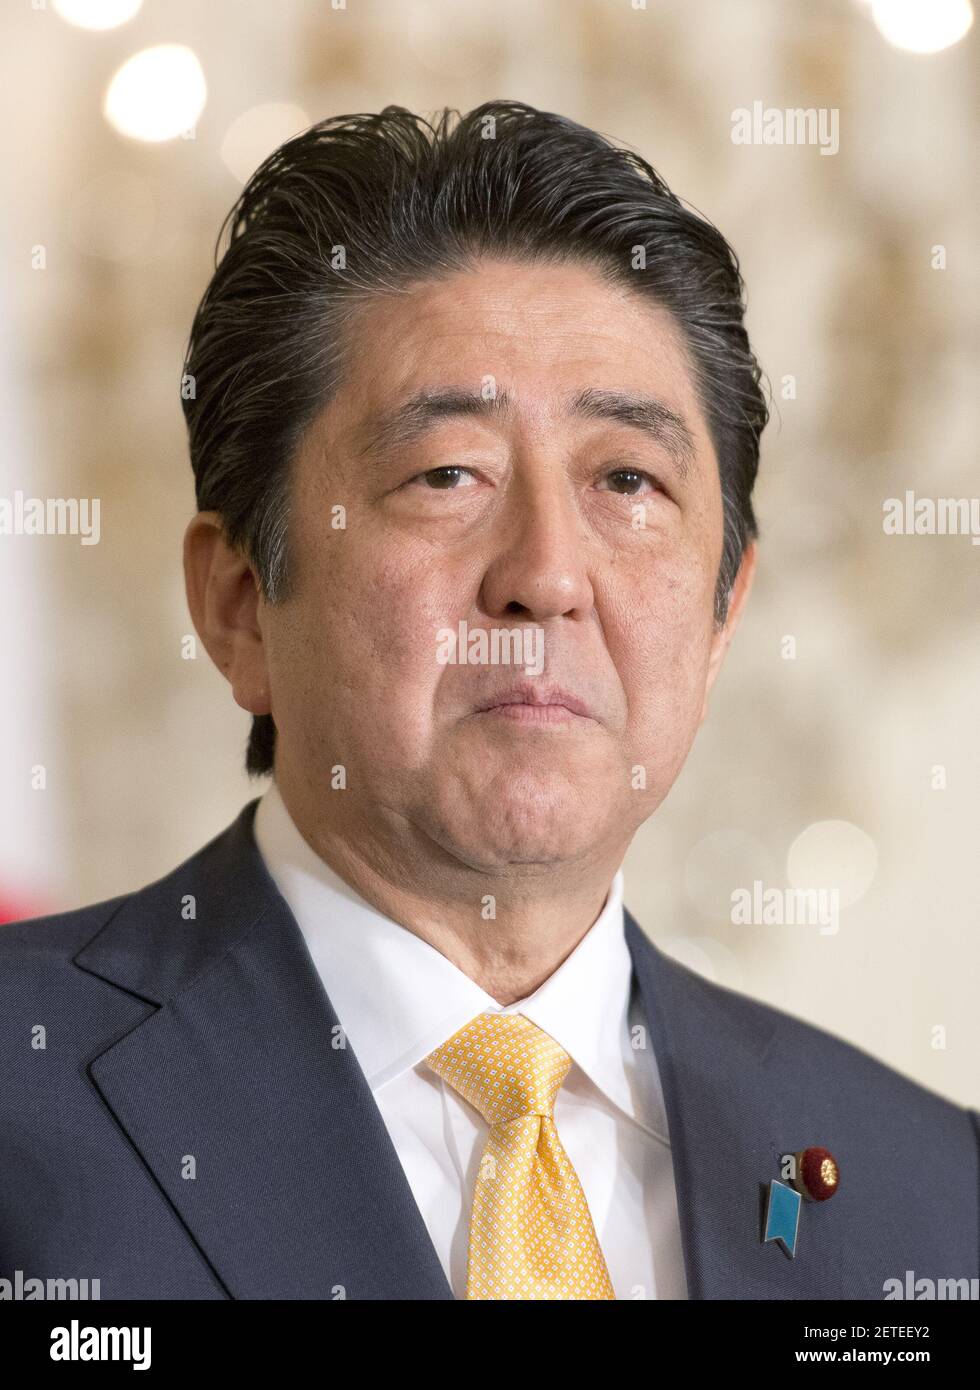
[213,1038]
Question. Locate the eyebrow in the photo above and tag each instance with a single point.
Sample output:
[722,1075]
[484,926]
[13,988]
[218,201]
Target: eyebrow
[413,418]
[408,421]
[645,413]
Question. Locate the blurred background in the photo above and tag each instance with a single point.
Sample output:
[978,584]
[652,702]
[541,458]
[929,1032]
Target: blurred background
[843,747]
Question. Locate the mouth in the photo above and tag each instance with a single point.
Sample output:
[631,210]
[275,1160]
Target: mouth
[530,704]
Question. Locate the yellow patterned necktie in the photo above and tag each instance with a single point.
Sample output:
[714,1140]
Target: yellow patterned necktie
[531,1234]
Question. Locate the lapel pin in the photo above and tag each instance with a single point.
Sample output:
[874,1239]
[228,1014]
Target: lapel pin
[814,1175]
[817,1175]
[782,1216]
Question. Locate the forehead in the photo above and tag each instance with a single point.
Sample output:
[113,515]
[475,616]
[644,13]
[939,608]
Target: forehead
[540,332]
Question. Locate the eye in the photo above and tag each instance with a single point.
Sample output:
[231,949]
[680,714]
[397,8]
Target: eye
[628,481]
[444,479]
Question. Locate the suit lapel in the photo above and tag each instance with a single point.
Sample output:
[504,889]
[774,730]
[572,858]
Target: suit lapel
[237,1091]
[735,1103]
[234,1086]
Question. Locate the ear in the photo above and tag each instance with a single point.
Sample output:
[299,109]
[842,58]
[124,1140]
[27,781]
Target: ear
[723,635]
[224,598]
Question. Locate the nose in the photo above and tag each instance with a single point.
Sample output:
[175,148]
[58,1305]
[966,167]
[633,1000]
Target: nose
[539,567]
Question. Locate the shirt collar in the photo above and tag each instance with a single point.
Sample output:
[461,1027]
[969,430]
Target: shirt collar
[398,998]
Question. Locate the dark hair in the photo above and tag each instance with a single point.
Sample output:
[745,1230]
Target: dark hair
[367,204]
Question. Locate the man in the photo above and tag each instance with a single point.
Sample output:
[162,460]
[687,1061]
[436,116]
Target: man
[475,424]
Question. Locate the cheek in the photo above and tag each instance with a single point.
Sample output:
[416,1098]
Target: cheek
[664,645]
[370,628]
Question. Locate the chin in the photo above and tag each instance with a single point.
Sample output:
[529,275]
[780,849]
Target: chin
[511,830]
[499,855]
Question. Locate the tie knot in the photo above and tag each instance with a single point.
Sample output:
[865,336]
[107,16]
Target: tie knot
[503,1065]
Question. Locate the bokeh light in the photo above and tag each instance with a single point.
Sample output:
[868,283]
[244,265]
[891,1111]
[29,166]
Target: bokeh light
[257,132]
[922,26]
[833,854]
[97,14]
[157,94]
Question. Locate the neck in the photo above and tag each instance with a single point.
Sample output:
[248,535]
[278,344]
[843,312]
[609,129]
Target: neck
[508,929]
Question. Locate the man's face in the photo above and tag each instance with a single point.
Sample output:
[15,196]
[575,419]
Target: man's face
[583,501]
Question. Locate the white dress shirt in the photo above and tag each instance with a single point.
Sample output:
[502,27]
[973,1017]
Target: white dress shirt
[397,998]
